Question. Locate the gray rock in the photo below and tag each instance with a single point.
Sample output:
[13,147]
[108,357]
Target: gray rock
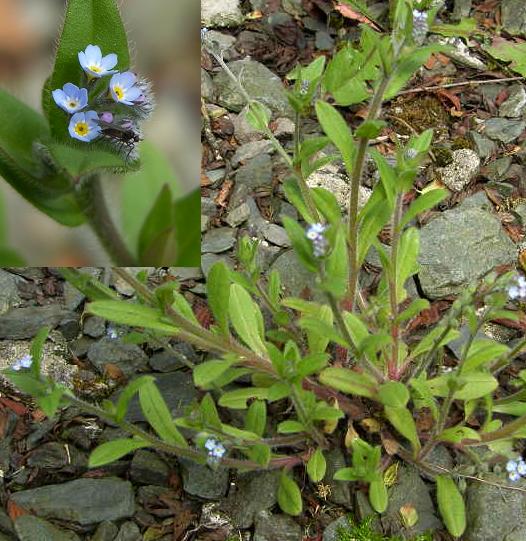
[221,42]
[218,240]
[514,16]
[177,389]
[259,82]
[256,172]
[30,528]
[331,533]
[410,489]
[514,106]
[255,492]
[148,468]
[72,296]
[204,223]
[128,357]
[294,277]
[276,234]
[94,326]
[461,171]
[9,296]
[108,499]
[521,211]
[497,169]
[485,147]
[283,127]
[460,246]
[129,531]
[340,493]
[271,527]
[495,514]
[208,207]
[207,260]
[70,326]
[207,86]
[220,13]
[503,129]
[174,359]
[201,481]
[238,215]
[324,41]
[186,273]
[23,323]
[461,9]
[54,456]
[106,531]
[6,524]
[251,150]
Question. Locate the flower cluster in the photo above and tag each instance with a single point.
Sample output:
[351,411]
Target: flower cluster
[516,469]
[420,26]
[315,233]
[25,362]
[106,117]
[518,289]
[216,450]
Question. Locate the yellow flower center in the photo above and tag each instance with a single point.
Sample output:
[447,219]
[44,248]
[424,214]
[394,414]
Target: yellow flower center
[95,69]
[119,92]
[72,104]
[81,128]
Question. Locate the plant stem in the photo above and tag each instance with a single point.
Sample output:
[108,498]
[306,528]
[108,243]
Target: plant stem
[392,363]
[356,180]
[90,197]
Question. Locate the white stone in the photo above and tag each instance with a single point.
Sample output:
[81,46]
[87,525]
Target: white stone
[461,171]
[220,13]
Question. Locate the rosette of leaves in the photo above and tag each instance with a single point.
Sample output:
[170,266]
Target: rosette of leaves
[61,176]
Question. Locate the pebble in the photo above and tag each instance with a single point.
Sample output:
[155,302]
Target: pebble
[30,528]
[503,129]
[218,240]
[256,172]
[250,150]
[221,13]
[238,215]
[276,235]
[514,106]
[461,171]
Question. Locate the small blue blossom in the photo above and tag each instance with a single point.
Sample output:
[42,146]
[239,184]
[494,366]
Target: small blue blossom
[216,450]
[123,88]
[315,233]
[112,333]
[94,64]
[514,476]
[71,98]
[304,87]
[521,467]
[518,289]
[84,126]
[420,26]
[25,362]
[516,469]
[511,466]
[411,153]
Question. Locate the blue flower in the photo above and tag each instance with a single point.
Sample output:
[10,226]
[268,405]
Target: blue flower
[94,64]
[123,88]
[84,126]
[511,466]
[215,449]
[71,98]
[521,467]
[518,289]
[514,476]
[420,26]
[25,362]
[315,233]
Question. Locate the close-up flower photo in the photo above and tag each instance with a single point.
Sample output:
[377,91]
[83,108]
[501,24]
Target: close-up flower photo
[96,145]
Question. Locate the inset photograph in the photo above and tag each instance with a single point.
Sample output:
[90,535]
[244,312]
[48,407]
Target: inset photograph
[99,139]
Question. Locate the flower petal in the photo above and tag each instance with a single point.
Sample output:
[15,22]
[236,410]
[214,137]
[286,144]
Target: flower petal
[133,93]
[128,79]
[59,96]
[93,54]
[109,61]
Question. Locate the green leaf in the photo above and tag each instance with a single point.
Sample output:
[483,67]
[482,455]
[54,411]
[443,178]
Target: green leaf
[316,338]
[237,400]
[337,267]
[258,115]
[256,419]
[407,264]
[349,381]
[378,495]
[289,495]
[416,306]
[87,284]
[451,505]
[317,326]
[218,289]
[300,243]
[402,419]
[429,339]
[245,315]
[481,352]
[95,22]
[207,372]
[293,193]
[50,402]
[10,258]
[475,385]
[141,189]
[127,394]
[463,29]
[510,51]
[134,315]
[393,393]
[20,128]
[156,244]
[327,204]
[316,466]
[370,128]
[408,65]
[158,415]
[259,453]
[113,450]
[290,427]
[425,202]
[187,223]
[37,348]
[456,434]
[209,412]
[336,128]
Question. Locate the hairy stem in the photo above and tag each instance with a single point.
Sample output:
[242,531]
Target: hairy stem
[90,197]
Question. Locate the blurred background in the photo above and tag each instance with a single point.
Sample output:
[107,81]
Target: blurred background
[164,45]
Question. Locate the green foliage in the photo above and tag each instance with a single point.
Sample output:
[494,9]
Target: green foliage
[365,531]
